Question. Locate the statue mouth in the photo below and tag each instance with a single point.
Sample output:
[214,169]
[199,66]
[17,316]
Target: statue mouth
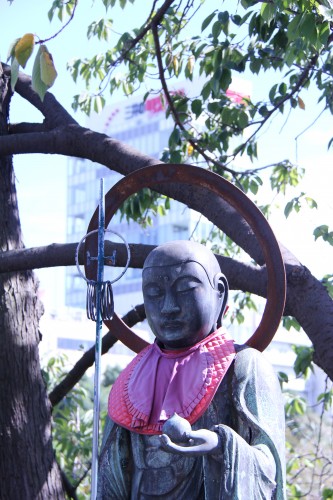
[172,325]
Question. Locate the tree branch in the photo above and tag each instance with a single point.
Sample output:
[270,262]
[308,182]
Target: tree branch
[304,76]
[148,24]
[133,317]
[68,487]
[55,115]
[173,110]
[62,28]
[241,276]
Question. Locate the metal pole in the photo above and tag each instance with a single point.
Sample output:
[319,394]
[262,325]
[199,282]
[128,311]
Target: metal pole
[98,344]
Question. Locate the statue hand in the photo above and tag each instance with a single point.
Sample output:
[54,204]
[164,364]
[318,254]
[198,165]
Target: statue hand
[200,442]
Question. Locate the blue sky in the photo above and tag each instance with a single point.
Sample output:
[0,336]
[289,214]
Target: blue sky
[41,179]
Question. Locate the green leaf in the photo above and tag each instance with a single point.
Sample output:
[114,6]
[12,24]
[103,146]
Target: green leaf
[253,186]
[223,17]
[167,203]
[283,88]
[255,66]
[175,157]
[290,322]
[216,29]
[283,378]
[327,494]
[323,232]
[225,78]
[326,398]
[11,50]
[288,208]
[215,81]
[311,202]
[327,281]
[37,83]
[208,20]
[324,32]
[268,11]
[199,49]
[99,103]
[43,72]
[226,116]
[304,360]
[293,27]
[308,27]
[196,107]
[175,138]
[272,93]
[242,119]
[14,72]
[206,90]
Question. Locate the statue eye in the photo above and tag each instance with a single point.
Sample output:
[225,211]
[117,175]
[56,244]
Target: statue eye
[152,290]
[186,284]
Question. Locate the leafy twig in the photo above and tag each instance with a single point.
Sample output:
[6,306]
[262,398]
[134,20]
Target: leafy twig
[62,28]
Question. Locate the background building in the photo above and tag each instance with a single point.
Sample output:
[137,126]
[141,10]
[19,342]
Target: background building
[143,126]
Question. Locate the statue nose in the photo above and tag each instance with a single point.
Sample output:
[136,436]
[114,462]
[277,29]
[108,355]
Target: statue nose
[170,304]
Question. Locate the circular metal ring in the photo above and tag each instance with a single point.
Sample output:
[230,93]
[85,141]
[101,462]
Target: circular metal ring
[107,303]
[91,301]
[105,231]
[157,175]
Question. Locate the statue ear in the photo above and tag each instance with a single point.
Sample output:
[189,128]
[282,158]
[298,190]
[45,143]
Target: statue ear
[222,287]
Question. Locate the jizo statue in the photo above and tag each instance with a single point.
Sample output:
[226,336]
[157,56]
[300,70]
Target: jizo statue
[193,416]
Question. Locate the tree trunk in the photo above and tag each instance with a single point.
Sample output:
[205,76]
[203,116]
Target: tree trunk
[28,469]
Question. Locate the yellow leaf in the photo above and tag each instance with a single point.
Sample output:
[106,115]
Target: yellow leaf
[24,48]
[190,149]
[175,64]
[301,103]
[190,64]
[48,72]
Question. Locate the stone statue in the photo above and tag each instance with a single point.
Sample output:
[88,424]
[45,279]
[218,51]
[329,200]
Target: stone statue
[193,416]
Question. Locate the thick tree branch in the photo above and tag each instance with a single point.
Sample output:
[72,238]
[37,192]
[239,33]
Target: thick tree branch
[55,115]
[241,276]
[57,254]
[77,141]
[68,138]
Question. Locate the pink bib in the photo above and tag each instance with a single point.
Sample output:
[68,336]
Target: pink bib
[157,383]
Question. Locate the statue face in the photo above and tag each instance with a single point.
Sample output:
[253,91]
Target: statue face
[181,304]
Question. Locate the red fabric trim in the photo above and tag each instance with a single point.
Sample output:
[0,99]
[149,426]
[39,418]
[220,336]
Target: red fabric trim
[219,345]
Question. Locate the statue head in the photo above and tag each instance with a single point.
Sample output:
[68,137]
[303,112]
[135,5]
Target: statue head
[184,293]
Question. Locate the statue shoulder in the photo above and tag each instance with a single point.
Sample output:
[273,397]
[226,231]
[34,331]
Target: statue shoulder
[251,363]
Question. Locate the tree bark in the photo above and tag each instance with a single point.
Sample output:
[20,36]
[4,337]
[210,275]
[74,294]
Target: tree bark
[28,469]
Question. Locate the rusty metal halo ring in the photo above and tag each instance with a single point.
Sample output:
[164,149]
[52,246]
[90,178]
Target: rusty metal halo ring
[187,174]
